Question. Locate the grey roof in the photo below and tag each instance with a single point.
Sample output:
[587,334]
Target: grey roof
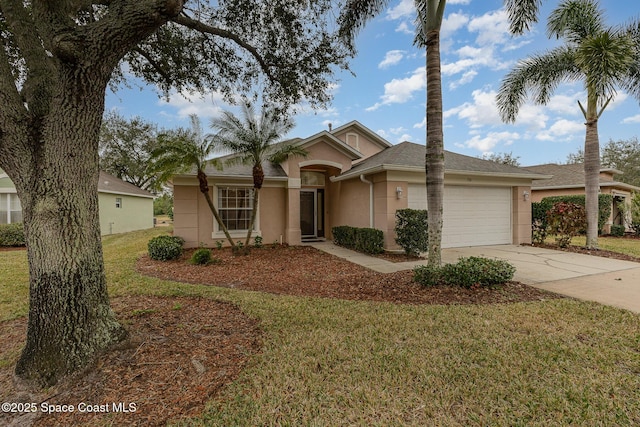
[110,184]
[571,176]
[239,170]
[408,155]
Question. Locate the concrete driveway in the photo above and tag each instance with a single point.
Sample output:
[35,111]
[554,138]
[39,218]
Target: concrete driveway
[592,278]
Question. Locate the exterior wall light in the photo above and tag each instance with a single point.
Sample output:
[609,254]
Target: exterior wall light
[525,194]
[399,192]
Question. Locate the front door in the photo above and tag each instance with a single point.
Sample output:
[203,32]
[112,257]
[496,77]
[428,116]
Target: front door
[308,213]
[312,213]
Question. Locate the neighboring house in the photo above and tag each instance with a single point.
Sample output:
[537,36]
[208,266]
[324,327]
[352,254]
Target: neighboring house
[123,206]
[353,176]
[569,180]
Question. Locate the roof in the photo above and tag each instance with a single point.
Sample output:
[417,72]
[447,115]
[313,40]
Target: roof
[110,184]
[411,156]
[572,176]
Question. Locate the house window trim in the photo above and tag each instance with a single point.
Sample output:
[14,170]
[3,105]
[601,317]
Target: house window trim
[217,233]
[118,202]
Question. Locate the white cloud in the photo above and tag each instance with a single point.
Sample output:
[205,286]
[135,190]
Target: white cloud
[203,105]
[404,137]
[632,119]
[421,125]
[466,78]
[452,23]
[483,111]
[404,9]
[492,28]
[492,139]
[560,130]
[392,57]
[403,27]
[399,91]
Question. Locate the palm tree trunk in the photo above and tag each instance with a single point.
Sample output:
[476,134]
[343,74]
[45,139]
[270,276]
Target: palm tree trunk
[592,172]
[434,160]
[254,212]
[204,189]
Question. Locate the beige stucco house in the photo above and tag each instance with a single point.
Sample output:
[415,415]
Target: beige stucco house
[354,177]
[569,180]
[123,206]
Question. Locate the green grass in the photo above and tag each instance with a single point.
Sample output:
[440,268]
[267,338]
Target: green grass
[333,362]
[614,244]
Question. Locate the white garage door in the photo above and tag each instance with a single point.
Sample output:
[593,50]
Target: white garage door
[473,216]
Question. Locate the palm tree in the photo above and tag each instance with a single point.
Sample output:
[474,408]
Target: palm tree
[603,58]
[252,139]
[429,22]
[181,151]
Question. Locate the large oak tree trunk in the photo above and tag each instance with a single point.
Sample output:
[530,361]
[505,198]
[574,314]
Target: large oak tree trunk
[434,161]
[70,319]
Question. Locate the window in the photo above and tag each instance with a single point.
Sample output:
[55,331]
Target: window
[10,208]
[15,208]
[235,205]
[118,202]
[4,208]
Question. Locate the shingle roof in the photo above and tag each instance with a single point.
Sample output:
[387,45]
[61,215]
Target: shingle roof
[411,155]
[570,176]
[270,170]
[110,184]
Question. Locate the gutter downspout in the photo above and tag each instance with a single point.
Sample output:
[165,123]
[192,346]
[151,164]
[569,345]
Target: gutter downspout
[363,179]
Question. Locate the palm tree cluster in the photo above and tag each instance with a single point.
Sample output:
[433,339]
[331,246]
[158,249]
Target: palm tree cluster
[251,138]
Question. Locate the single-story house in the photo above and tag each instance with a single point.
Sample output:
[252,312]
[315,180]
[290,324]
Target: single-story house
[352,176]
[569,180]
[123,206]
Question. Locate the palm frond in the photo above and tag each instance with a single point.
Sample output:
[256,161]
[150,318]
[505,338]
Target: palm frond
[575,20]
[536,77]
[354,16]
[606,60]
[522,14]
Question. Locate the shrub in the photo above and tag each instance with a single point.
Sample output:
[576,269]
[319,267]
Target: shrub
[467,272]
[164,248]
[201,256]
[257,242]
[411,230]
[605,201]
[566,220]
[634,213]
[539,225]
[12,234]
[617,230]
[367,240]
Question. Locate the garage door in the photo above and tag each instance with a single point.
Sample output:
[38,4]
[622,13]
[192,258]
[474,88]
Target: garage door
[473,216]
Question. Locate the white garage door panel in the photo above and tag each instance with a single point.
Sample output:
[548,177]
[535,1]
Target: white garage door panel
[473,216]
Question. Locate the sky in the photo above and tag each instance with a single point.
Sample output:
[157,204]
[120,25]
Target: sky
[388,92]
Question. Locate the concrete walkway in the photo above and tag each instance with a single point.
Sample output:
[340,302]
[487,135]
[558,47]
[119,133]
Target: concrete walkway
[592,278]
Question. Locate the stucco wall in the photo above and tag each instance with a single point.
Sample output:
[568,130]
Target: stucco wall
[521,215]
[136,213]
[194,222]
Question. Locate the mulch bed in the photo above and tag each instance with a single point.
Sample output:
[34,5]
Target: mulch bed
[181,352]
[306,271]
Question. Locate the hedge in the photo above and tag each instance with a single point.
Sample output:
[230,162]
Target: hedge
[411,230]
[12,234]
[366,240]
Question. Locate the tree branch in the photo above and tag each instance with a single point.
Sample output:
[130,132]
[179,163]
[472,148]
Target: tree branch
[204,28]
[154,64]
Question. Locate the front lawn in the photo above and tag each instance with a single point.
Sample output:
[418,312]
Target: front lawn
[335,362]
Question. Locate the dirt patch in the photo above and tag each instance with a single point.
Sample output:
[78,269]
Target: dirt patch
[181,353]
